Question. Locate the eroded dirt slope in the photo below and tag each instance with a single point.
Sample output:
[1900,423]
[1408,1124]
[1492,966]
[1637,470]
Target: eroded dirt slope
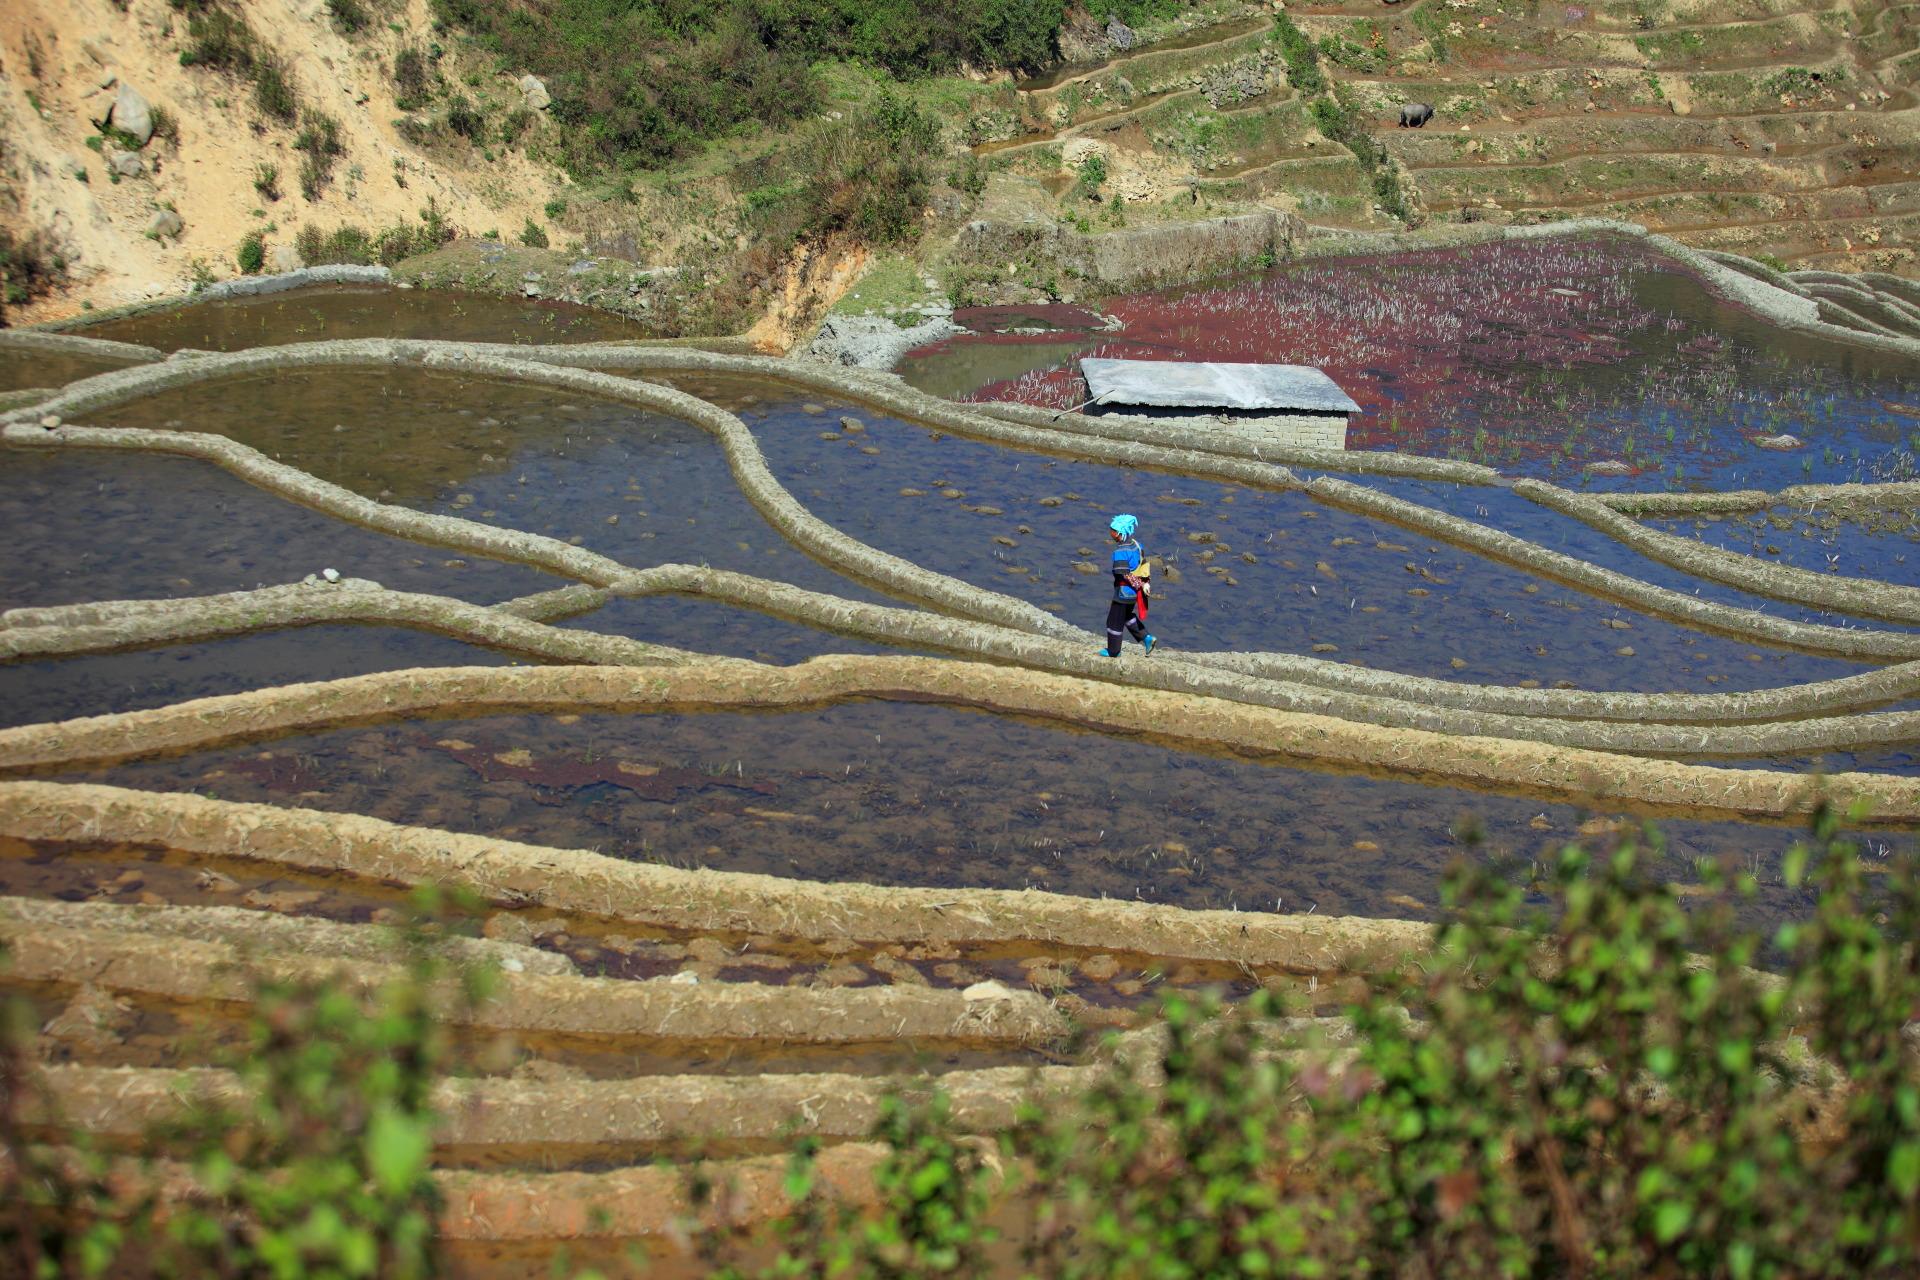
[61,65]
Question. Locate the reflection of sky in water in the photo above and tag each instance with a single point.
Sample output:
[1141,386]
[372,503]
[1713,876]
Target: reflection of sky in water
[902,793]
[1861,554]
[639,487]
[110,526]
[926,795]
[1881,544]
[1317,575]
[1535,357]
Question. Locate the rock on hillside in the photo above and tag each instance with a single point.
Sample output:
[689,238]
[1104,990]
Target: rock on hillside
[68,67]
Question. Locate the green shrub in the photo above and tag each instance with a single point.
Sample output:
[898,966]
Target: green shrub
[350,17]
[532,236]
[873,177]
[31,266]
[343,244]
[1585,1075]
[464,120]
[968,176]
[1302,59]
[252,254]
[319,144]
[266,181]
[320,1163]
[412,78]
[218,37]
[165,127]
[556,209]
[1092,174]
[515,125]
[689,74]
[273,92]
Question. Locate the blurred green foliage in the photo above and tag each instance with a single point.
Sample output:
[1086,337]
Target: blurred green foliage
[323,1172]
[1586,1075]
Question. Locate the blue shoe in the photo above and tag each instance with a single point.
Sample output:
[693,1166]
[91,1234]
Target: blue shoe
[1107,653]
[1146,642]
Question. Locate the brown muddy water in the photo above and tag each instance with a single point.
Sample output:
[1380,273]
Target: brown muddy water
[914,794]
[322,312]
[19,369]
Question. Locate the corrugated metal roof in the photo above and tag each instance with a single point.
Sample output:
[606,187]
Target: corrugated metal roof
[1184,384]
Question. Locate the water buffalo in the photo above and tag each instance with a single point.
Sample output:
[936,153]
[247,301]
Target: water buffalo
[1415,114]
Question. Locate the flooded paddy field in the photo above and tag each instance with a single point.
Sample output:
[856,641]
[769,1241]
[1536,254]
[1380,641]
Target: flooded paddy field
[705,881]
[897,793]
[62,688]
[1869,545]
[642,488]
[27,368]
[1541,358]
[1538,358]
[1881,544]
[1242,568]
[314,313]
[126,526]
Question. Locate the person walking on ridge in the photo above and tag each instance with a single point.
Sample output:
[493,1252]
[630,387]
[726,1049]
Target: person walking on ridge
[1131,587]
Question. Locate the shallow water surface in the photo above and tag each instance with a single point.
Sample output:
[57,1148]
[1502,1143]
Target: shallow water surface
[85,526]
[640,487]
[98,684]
[318,313]
[903,793]
[1239,568]
[20,369]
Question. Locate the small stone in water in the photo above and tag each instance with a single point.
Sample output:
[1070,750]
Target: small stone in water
[830,435]
[1458,664]
[913,493]
[869,449]
[812,408]
[1624,651]
[953,493]
[852,424]
[613,519]
[1326,648]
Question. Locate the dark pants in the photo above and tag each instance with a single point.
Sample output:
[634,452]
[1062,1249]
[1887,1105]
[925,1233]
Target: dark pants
[1121,622]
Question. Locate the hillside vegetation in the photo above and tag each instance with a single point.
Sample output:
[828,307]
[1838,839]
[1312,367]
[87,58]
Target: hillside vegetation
[768,151]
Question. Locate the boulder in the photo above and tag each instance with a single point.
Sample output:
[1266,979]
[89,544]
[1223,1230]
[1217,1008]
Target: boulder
[127,164]
[165,223]
[536,93]
[1120,35]
[131,114]
[285,258]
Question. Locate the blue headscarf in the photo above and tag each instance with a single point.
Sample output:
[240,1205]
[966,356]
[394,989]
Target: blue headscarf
[1123,525]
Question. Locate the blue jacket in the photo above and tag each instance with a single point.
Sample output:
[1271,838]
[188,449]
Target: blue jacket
[1127,559]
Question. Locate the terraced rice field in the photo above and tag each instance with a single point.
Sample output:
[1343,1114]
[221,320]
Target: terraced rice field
[760,704]
[1773,128]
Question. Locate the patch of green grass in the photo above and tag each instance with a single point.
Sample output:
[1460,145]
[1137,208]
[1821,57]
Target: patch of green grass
[892,286]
